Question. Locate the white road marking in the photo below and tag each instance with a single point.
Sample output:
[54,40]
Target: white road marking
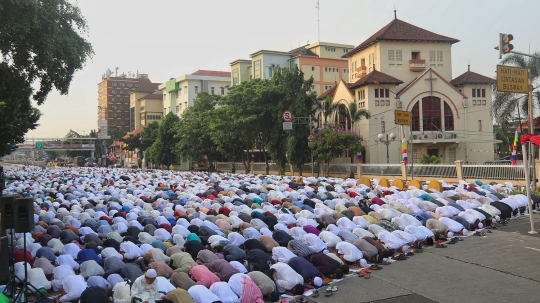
[532,248]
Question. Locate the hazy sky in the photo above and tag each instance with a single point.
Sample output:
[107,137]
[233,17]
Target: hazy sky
[169,38]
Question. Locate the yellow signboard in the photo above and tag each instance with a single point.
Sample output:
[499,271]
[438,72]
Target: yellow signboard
[512,79]
[402,117]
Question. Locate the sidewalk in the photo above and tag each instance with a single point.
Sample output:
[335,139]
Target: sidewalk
[500,267]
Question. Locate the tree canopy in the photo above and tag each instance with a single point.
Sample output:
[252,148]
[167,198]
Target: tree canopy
[41,44]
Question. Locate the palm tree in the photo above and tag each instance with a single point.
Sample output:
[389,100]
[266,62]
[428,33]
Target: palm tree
[505,104]
[356,114]
[329,108]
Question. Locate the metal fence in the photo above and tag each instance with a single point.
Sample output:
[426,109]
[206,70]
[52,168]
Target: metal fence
[381,169]
[435,170]
[494,172]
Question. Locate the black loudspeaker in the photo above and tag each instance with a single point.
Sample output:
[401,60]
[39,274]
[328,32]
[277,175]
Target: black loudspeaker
[4,266]
[7,207]
[24,215]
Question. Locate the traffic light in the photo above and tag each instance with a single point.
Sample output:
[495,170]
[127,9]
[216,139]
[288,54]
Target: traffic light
[504,44]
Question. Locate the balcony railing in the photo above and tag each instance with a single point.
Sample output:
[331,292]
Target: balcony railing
[417,65]
[361,71]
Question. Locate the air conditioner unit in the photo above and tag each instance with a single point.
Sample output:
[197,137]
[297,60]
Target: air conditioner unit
[415,137]
[424,136]
[439,136]
[451,136]
[272,65]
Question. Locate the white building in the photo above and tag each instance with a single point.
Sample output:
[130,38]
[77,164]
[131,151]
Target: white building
[404,67]
[179,93]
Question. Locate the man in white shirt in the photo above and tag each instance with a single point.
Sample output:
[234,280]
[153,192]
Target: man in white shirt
[348,252]
[287,280]
[72,286]
[145,288]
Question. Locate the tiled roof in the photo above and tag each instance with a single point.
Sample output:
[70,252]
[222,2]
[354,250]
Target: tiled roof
[375,77]
[329,92]
[135,132]
[525,124]
[471,78]
[152,96]
[212,73]
[398,30]
[302,51]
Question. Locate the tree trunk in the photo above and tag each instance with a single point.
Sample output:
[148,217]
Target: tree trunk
[267,166]
[300,171]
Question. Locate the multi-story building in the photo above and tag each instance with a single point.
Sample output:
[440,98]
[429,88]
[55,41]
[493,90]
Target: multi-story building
[145,108]
[404,67]
[114,99]
[320,60]
[179,93]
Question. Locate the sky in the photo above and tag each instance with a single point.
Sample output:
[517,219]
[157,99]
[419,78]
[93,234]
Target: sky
[170,38]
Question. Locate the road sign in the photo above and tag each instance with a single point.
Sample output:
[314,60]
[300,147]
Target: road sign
[286,116]
[512,79]
[45,156]
[39,145]
[402,117]
[287,125]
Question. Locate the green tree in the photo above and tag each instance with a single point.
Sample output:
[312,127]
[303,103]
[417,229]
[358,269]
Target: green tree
[427,159]
[328,108]
[74,153]
[504,107]
[116,133]
[148,137]
[193,132]
[164,146]
[331,142]
[40,42]
[355,114]
[297,97]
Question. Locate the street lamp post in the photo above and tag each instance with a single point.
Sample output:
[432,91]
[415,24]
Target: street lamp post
[386,142]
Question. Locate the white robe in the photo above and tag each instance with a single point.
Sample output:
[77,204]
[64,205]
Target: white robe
[224,292]
[201,294]
[350,252]
[73,285]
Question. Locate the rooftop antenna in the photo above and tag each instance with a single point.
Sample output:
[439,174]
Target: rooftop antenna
[395,12]
[318,22]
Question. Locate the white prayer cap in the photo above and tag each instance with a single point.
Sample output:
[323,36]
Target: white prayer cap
[465,232]
[497,218]
[450,234]
[317,281]
[480,225]
[151,273]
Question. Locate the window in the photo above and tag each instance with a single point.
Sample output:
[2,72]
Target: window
[474,93]
[330,49]
[235,76]
[432,56]
[431,113]
[130,85]
[122,85]
[114,84]
[478,92]
[479,125]
[223,91]
[439,56]
[196,89]
[185,89]
[122,99]
[383,127]
[164,111]
[122,92]
[448,118]
[415,123]
[398,55]
[376,102]
[387,102]
[345,70]
[113,99]
[257,69]
[376,93]
[313,68]
[270,72]
[483,102]
[387,93]
[212,90]
[415,55]
[177,109]
[136,85]
[345,50]
[114,91]
[391,55]
[483,92]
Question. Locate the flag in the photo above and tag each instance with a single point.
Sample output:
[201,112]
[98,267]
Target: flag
[514,149]
[359,158]
[404,147]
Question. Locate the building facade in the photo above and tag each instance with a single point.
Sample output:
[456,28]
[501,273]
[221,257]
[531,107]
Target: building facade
[145,108]
[179,93]
[404,67]
[114,97]
[321,60]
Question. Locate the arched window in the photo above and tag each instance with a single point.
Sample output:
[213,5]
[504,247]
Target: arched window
[416,117]
[448,117]
[431,115]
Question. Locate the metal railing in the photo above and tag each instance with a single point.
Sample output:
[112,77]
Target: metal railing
[381,169]
[434,170]
[495,172]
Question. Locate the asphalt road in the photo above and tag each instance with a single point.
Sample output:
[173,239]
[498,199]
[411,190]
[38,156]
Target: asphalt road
[500,267]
